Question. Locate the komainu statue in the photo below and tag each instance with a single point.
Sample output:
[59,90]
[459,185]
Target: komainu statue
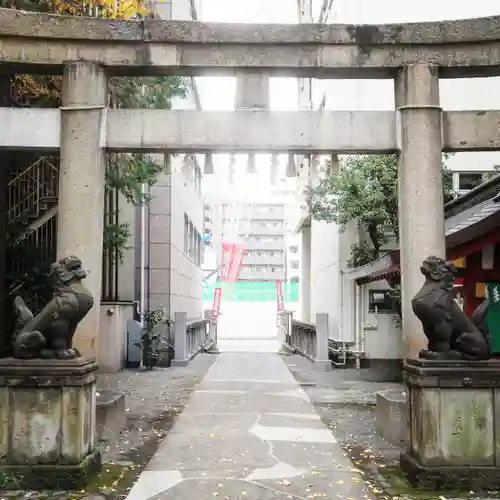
[49,334]
[451,334]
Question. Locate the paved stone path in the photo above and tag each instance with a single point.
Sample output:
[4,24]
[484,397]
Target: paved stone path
[249,432]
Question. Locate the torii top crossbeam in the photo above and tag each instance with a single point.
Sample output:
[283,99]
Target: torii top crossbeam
[462,48]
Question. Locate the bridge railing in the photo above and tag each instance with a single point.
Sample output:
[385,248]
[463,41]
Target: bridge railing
[192,337]
[308,339]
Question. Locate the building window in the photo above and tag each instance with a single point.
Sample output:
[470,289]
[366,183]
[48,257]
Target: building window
[273,269]
[199,250]
[469,180]
[294,249]
[294,264]
[381,300]
[193,247]
[186,234]
[191,240]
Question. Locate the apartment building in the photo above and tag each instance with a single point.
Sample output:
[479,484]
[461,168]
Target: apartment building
[258,226]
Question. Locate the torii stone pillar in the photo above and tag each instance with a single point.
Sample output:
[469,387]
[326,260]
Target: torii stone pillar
[421,210]
[252,92]
[81,185]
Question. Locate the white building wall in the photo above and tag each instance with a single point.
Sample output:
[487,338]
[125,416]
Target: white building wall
[325,274]
[185,274]
[457,94]
[382,336]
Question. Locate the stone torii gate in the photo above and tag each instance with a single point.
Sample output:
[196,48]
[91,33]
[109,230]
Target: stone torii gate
[88,50]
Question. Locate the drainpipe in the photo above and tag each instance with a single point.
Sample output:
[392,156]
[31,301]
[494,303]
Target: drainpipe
[343,362]
[358,325]
[142,298]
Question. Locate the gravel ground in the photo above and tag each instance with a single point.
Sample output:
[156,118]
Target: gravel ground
[153,399]
[346,402]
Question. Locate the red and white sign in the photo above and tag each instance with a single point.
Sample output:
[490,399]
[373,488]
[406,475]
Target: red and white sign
[237,255]
[279,296]
[231,259]
[216,304]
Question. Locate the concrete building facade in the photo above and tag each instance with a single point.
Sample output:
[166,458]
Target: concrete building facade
[260,227]
[171,230]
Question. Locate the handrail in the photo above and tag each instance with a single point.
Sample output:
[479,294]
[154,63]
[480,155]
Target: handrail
[34,164]
[308,339]
[198,323]
[190,338]
[304,324]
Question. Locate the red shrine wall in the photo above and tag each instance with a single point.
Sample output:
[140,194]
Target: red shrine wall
[474,274]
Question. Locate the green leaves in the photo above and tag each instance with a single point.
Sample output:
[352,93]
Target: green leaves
[127,173]
[146,92]
[115,239]
[365,190]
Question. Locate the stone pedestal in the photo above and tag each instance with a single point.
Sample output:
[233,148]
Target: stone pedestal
[453,424]
[47,423]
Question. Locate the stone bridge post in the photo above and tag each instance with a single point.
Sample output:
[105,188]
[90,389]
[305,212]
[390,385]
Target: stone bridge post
[81,185]
[421,210]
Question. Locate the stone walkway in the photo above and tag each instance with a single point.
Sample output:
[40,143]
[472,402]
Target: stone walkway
[249,432]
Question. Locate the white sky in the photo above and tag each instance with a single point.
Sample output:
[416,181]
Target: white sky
[219,93]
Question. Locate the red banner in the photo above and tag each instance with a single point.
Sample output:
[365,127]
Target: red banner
[216,304]
[225,261]
[279,296]
[232,257]
[237,254]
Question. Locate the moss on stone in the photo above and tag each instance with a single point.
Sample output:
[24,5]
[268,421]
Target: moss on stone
[50,477]
[393,482]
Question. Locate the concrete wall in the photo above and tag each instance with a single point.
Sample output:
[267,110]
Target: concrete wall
[175,278]
[384,340]
[331,291]
[113,335]
[325,274]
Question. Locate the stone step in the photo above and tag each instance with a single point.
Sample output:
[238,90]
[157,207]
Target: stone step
[110,413]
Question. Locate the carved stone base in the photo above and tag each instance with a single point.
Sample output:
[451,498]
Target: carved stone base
[48,422]
[453,423]
[51,477]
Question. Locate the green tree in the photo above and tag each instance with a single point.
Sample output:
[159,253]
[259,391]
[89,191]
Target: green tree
[365,190]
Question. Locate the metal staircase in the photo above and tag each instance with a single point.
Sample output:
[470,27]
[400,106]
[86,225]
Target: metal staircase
[32,228]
